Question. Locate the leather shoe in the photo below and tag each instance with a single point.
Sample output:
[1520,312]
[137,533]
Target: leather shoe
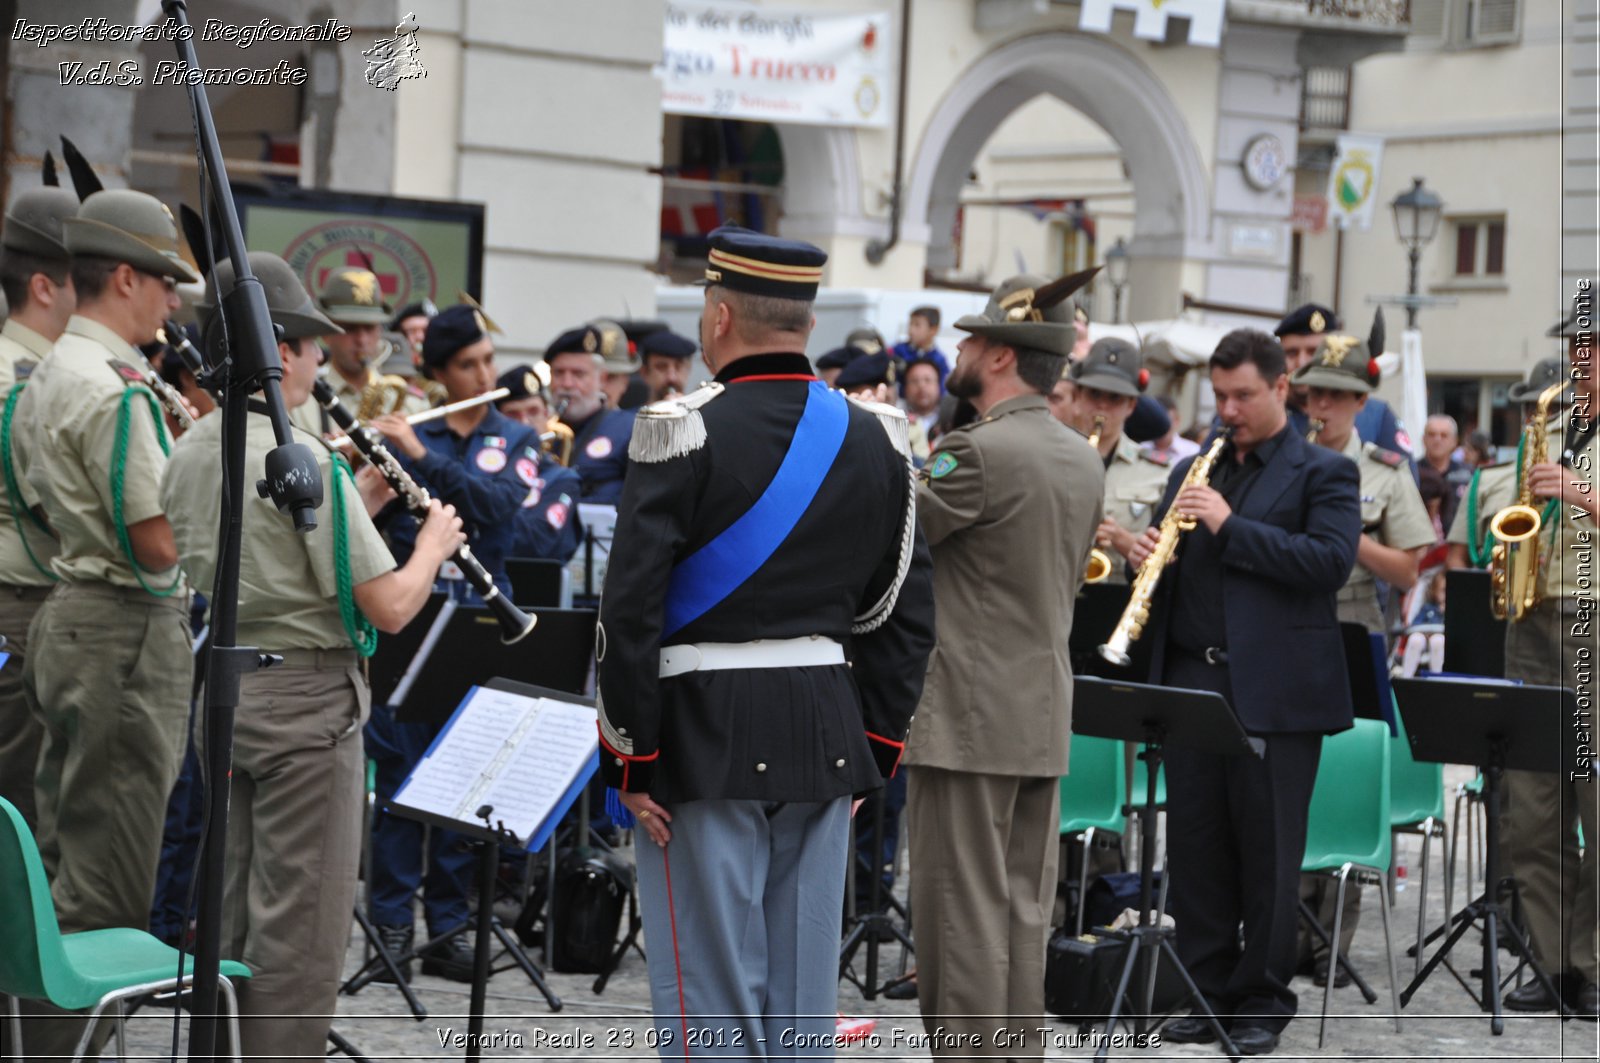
[396,941]
[1189,1030]
[902,988]
[1530,997]
[451,958]
[1253,1040]
[1319,977]
[1586,1003]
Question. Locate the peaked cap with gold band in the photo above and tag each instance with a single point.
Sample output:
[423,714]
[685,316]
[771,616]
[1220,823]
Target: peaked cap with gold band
[132,227]
[36,223]
[752,262]
[1029,311]
[352,296]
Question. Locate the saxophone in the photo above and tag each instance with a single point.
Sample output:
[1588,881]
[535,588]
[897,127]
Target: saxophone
[557,438]
[384,393]
[1314,430]
[1131,625]
[1514,561]
[1099,567]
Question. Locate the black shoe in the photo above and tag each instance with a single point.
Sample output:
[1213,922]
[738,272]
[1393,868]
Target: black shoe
[1253,1040]
[396,941]
[902,988]
[451,958]
[1531,997]
[1189,1030]
[1319,976]
[1586,1002]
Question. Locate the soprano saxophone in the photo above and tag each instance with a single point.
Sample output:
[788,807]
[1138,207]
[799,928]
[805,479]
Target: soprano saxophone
[1131,625]
[1099,567]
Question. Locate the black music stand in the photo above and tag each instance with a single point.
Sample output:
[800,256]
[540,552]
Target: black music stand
[875,926]
[1500,725]
[1368,668]
[394,654]
[1474,639]
[538,583]
[1156,717]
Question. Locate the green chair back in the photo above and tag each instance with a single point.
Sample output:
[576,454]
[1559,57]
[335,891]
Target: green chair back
[1416,790]
[1349,821]
[1092,790]
[33,965]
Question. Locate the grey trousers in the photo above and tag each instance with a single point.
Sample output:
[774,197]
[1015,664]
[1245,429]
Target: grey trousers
[742,914]
[984,850]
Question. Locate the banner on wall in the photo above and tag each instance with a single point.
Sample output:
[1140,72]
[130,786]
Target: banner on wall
[769,64]
[1150,18]
[1353,182]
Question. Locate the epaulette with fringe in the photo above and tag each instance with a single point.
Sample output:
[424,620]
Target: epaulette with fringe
[894,422]
[671,428]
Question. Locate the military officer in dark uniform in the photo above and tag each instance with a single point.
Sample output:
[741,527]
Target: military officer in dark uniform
[766,543]
[601,432]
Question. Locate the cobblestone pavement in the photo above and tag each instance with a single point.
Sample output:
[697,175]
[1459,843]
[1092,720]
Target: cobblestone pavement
[1441,1022]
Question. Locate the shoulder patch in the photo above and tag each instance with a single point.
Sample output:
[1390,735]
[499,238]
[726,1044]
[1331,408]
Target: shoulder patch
[1392,458]
[1153,458]
[894,422]
[125,371]
[671,428]
[941,465]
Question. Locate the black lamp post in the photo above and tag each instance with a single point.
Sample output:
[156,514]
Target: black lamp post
[1117,274]
[1416,221]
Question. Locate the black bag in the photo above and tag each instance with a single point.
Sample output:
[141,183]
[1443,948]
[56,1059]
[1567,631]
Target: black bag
[590,893]
[1080,977]
[1110,894]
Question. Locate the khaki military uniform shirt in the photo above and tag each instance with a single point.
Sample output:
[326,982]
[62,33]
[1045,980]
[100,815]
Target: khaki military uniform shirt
[1496,489]
[71,408]
[1134,484]
[22,347]
[288,593]
[1569,570]
[309,414]
[1392,512]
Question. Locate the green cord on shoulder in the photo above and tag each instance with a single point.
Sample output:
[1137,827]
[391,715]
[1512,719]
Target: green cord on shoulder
[14,490]
[362,634]
[119,473]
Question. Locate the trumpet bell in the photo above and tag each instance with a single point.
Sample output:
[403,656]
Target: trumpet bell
[1099,568]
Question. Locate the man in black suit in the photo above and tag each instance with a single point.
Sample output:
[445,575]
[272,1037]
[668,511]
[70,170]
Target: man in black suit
[1275,539]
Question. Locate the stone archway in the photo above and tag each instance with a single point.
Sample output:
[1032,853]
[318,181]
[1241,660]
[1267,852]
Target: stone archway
[822,184]
[1112,88]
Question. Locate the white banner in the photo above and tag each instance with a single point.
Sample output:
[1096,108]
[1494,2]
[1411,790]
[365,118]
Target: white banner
[776,65]
[1353,182]
[1414,379]
[1150,18]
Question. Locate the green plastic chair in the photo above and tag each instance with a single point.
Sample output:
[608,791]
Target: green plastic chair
[92,969]
[1416,806]
[1092,793]
[1348,834]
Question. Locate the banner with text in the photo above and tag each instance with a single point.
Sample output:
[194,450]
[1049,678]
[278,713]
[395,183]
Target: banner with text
[774,65]
[1353,182]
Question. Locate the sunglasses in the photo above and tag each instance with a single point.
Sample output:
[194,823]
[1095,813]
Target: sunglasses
[170,283]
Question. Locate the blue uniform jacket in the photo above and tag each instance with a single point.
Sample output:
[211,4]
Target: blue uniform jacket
[547,524]
[600,454]
[485,476]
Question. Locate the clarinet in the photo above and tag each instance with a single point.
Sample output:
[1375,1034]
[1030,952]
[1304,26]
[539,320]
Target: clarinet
[514,623]
[169,397]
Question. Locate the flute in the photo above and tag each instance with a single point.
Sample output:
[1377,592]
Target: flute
[440,411]
[514,623]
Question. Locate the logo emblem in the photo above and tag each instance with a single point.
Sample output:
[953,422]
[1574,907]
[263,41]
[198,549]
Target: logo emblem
[558,511]
[598,448]
[491,460]
[1335,348]
[942,465]
[392,60]
[1318,322]
[527,471]
[363,287]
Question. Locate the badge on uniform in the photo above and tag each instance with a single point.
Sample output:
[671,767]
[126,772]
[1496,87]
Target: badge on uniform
[1137,509]
[498,442]
[527,470]
[558,512]
[598,448]
[491,460]
[943,464]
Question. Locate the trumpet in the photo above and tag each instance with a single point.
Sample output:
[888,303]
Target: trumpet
[1315,430]
[1131,624]
[558,436]
[1099,567]
[1514,561]
[440,411]
[514,623]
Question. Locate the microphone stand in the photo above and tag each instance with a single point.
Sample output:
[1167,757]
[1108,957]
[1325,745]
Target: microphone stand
[248,363]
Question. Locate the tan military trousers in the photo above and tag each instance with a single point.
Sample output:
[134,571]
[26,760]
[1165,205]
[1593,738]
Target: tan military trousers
[294,846]
[20,731]
[1539,825]
[984,850]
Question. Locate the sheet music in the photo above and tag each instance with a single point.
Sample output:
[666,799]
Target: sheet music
[519,754]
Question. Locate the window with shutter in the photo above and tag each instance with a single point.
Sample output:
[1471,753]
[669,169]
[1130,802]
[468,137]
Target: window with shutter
[1496,21]
[1429,22]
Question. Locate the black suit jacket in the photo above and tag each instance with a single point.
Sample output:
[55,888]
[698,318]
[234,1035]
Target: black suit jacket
[1285,552]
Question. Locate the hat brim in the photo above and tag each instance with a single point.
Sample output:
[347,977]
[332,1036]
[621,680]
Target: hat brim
[1107,382]
[1314,376]
[29,239]
[87,236]
[1522,391]
[1049,337]
[296,326]
[357,315]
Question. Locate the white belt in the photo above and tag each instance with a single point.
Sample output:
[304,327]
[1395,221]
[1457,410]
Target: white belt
[806,652]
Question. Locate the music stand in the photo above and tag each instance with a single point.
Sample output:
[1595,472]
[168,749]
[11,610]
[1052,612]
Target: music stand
[539,583]
[1156,717]
[1500,725]
[877,925]
[395,652]
[1366,663]
[1474,639]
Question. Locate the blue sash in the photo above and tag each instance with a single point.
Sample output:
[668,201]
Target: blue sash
[717,569]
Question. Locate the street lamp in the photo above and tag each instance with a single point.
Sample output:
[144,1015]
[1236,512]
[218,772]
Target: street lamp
[1117,274]
[1416,221]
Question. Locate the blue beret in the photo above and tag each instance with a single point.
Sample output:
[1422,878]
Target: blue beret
[449,330]
[420,308]
[1310,320]
[839,357]
[581,340]
[521,383]
[747,261]
[865,370]
[668,344]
